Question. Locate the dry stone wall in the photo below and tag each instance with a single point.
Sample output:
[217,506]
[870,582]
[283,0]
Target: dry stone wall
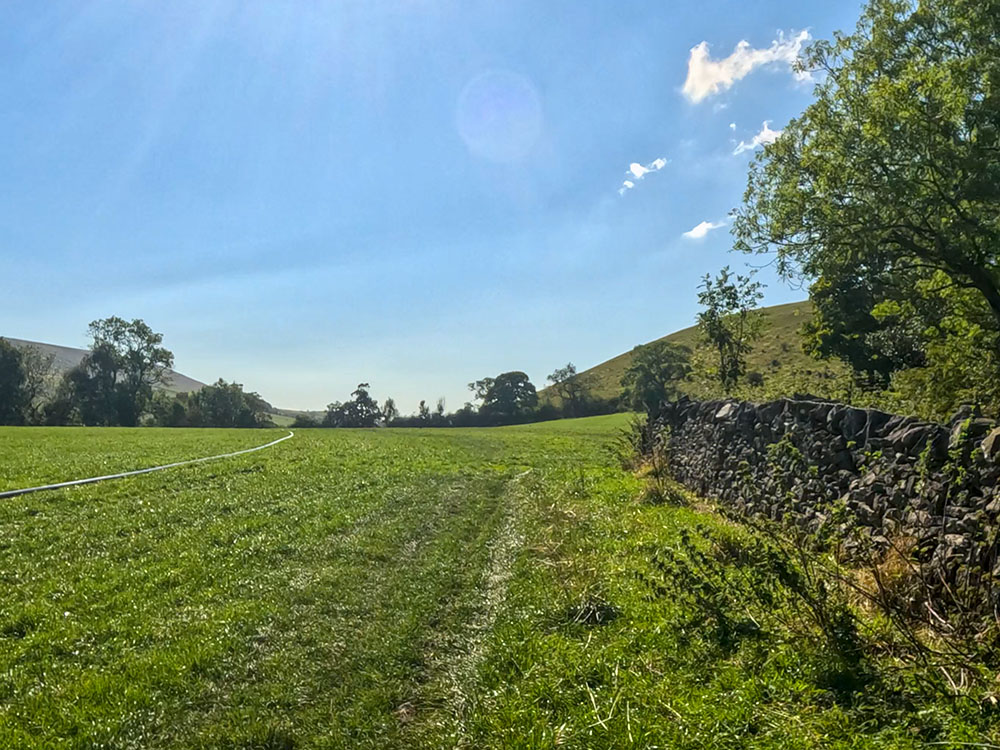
[873,479]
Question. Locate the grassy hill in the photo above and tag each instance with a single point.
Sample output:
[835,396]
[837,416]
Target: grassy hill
[777,353]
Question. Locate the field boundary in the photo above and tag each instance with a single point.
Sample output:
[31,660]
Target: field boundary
[136,472]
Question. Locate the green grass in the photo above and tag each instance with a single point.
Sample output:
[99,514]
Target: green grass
[280,420]
[33,456]
[307,594]
[385,589]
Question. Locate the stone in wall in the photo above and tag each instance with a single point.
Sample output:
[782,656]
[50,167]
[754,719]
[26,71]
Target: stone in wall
[882,479]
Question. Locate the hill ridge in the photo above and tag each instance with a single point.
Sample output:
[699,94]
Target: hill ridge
[780,344]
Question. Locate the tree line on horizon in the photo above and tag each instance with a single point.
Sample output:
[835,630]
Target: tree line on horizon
[117,384]
[509,398]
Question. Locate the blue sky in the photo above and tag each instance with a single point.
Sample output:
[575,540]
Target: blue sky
[416,193]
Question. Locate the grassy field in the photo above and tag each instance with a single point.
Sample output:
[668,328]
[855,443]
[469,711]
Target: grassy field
[34,456]
[481,588]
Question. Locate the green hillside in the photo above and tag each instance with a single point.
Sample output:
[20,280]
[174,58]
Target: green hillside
[777,353]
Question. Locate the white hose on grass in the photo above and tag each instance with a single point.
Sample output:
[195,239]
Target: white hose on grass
[92,480]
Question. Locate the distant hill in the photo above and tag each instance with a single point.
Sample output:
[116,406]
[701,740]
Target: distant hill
[780,348]
[68,357]
[291,414]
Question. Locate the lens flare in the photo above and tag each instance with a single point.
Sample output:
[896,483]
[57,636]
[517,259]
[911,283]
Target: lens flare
[500,116]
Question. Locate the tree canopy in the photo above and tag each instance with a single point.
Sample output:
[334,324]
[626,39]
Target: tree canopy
[508,395]
[730,322]
[894,170]
[361,411]
[567,386]
[13,395]
[654,374]
[227,405]
[114,383]
[845,324]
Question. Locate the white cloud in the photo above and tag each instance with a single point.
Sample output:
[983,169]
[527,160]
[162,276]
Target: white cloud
[706,76]
[637,171]
[766,135]
[732,126]
[702,229]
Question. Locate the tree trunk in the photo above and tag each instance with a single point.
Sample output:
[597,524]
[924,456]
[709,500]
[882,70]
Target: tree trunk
[989,286]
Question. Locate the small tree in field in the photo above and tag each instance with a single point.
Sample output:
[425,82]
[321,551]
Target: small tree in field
[389,411]
[653,376]
[730,322]
[39,381]
[225,404]
[568,388]
[361,411]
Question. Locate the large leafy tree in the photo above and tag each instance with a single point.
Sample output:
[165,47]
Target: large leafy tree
[361,411]
[894,170]
[226,405]
[509,395]
[93,389]
[730,322]
[114,382]
[174,410]
[654,374]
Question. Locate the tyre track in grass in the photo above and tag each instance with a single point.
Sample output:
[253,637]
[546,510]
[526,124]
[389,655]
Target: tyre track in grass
[452,679]
[496,579]
[137,472]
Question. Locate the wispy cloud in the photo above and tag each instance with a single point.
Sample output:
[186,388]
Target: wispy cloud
[766,135]
[702,229]
[707,77]
[637,171]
